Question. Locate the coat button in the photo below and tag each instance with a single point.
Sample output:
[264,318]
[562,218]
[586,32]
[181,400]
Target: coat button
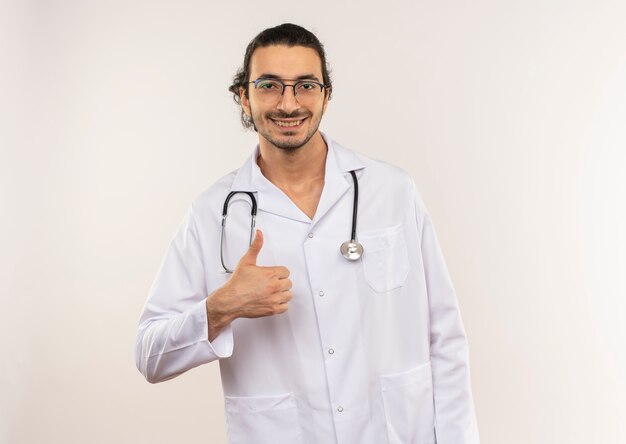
[321,293]
[310,235]
[331,351]
[340,409]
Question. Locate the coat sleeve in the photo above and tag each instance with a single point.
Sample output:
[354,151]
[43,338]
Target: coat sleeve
[173,330]
[455,419]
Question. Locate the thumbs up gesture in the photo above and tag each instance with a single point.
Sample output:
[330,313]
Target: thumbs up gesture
[251,292]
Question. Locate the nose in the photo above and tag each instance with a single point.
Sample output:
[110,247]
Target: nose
[288,101]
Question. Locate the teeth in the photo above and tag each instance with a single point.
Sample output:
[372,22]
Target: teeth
[294,123]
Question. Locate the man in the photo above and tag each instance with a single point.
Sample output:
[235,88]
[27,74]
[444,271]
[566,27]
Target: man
[313,347]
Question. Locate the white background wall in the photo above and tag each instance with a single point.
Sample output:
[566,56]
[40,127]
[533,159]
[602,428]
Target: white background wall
[511,116]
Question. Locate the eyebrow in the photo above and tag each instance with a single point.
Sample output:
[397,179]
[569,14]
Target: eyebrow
[303,77]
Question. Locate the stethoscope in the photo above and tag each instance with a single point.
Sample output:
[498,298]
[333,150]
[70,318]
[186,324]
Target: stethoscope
[351,250]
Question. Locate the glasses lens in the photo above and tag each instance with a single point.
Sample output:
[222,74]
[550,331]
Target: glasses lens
[308,89]
[268,89]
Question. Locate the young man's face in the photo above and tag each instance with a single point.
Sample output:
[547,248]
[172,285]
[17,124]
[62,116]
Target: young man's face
[287,122]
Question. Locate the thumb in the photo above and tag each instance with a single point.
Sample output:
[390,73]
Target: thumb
[253,252]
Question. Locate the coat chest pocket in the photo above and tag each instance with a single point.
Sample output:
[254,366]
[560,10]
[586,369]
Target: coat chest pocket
[385,258]
[263,419]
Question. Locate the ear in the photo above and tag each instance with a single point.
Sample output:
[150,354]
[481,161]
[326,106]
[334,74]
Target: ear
[326,99]
[245,102]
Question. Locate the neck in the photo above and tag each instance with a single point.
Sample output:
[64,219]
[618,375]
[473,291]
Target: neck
[286,168]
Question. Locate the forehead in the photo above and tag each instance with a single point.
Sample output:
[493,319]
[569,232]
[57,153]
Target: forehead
[287,62]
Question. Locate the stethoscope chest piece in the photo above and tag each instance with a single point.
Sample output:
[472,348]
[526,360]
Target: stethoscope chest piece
[351,250]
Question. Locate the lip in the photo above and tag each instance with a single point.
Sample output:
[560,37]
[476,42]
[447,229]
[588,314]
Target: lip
[289,128]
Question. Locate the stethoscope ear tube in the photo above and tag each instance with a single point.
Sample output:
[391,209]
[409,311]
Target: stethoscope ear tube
[227,201]
[226,269]
[225,216]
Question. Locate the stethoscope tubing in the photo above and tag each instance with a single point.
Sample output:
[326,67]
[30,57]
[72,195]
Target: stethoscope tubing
[355,205]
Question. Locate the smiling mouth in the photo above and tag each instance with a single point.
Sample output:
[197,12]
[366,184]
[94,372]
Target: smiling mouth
[288,123]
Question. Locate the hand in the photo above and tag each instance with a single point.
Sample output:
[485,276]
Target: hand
[251,292]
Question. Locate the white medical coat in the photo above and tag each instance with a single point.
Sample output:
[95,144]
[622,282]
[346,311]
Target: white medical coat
[369,352]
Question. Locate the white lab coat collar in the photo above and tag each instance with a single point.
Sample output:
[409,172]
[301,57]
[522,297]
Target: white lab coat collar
[339,162]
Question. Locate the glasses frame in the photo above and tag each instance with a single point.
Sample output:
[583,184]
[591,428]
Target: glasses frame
[284,85]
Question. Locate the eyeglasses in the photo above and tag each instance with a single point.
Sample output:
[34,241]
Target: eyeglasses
[270,90]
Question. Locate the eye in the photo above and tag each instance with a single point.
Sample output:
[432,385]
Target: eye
[307,86]
[268,85]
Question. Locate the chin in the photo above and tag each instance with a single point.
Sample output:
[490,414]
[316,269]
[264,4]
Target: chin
[288,145]
[288,141]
